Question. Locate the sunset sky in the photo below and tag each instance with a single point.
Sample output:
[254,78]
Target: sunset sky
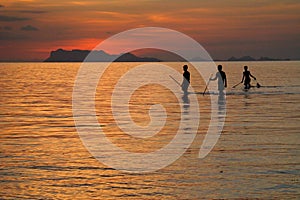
[30,29]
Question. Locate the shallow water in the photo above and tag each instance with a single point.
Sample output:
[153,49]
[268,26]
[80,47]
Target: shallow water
[43,157]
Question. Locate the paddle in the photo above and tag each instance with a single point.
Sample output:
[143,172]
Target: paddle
[257,84]
[207,84]
[175,80]
[236,85]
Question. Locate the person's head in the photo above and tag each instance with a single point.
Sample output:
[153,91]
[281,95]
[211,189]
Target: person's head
[245,68]
[185,67]
[219,67]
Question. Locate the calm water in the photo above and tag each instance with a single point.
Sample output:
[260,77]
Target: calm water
[42,156]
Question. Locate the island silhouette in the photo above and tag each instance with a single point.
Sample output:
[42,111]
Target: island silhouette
[77,55]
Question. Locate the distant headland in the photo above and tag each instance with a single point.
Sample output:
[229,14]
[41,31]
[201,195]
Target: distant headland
[249,58]
[77,55]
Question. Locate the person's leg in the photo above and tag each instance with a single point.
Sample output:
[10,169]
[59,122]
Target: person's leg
[184,87]
[247,84]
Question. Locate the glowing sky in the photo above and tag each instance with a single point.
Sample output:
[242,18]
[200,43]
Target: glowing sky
[30,29]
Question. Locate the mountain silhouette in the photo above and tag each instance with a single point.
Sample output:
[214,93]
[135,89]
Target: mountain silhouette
[76,55]
[249,58]
[244,58]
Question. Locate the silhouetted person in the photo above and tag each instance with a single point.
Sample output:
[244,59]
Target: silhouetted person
[246,77]
[222,81]
[186,79]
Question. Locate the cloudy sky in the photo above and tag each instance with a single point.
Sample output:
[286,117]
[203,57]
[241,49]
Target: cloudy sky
[30,29]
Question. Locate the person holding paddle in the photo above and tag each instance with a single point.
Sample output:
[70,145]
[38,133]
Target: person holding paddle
[186,79]
[222,80]
[246,78]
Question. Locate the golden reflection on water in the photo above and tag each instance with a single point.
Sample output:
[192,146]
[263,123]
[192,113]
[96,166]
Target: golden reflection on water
[42,156]
[140,102]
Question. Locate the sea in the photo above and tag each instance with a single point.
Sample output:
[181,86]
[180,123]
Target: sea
[44,154]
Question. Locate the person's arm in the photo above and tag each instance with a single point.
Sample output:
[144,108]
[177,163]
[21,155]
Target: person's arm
[252,76]
[213,79]
[225,81]
[243,78]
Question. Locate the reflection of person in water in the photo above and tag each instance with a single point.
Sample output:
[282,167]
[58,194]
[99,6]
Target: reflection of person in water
[186,101]
[222,81]
[221,103]
[246,77]
[186,79]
